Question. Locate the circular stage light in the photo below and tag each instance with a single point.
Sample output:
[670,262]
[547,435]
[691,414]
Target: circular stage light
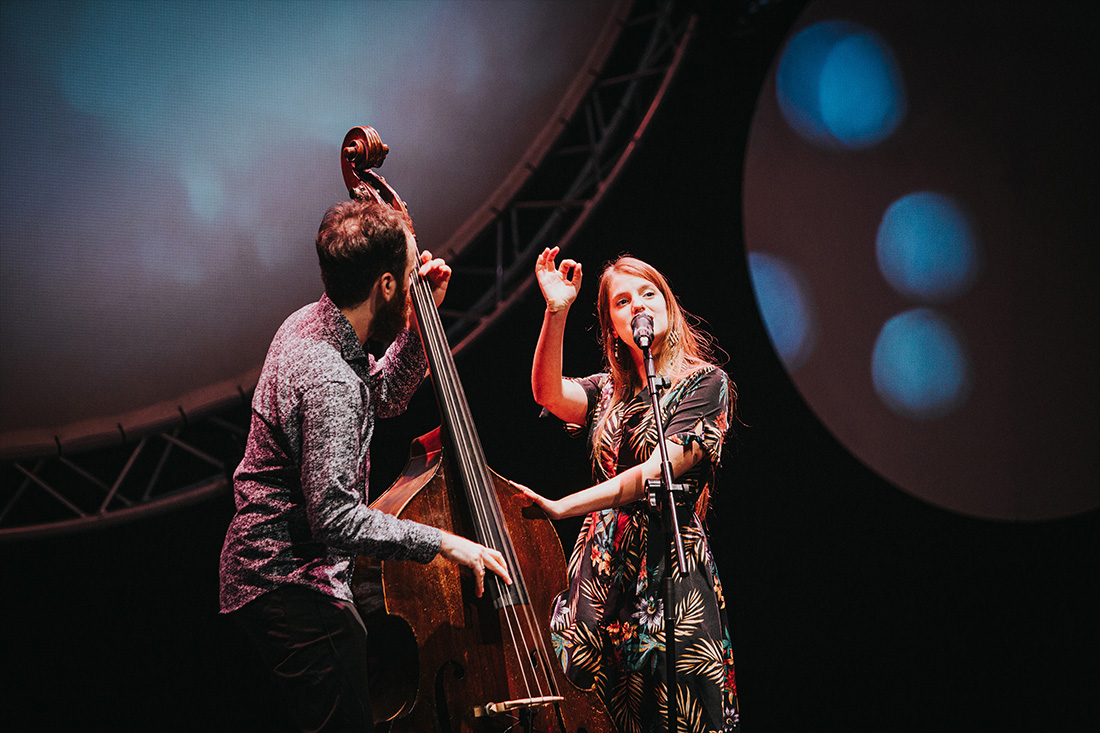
[919,365]
[786,306]
[927,248]
[839,85]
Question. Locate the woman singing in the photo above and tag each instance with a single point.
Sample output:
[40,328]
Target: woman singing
[608,628]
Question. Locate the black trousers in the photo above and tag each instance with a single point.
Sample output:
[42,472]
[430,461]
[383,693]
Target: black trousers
[316,648]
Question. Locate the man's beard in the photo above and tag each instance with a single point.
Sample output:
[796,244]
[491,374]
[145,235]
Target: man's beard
[393,316]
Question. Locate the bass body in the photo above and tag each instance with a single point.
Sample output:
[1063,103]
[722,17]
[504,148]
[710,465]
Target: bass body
[441,656]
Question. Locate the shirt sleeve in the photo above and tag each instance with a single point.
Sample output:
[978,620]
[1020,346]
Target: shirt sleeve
[334,474]
[395,377]
[702,414]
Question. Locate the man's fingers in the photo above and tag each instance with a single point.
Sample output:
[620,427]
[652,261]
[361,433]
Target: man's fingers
[479,578]
[475,556]
[496,564]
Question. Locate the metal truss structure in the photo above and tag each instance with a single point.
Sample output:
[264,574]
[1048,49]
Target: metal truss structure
[543,203]
[559,183]
[61,493]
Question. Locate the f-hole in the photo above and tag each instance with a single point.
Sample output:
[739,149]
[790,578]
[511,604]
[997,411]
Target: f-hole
[443,722]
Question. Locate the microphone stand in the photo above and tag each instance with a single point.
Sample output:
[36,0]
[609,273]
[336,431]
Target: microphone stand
[672,529]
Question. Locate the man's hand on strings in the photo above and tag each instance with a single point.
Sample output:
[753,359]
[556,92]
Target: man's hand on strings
[437,273]
[474,556]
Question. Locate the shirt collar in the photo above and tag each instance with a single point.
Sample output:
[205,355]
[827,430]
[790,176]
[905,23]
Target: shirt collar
[340,331]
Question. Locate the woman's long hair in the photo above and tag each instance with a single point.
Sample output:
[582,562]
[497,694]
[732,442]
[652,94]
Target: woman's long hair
[682,351]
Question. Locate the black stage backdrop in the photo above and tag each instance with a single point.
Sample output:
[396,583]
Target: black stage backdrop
[853,605]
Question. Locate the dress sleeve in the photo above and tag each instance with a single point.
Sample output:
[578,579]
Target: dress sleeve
[333,483]
[593,387]
[702,413]
[395,377]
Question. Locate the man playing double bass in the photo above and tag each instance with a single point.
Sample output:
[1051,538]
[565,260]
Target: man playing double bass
[301,489]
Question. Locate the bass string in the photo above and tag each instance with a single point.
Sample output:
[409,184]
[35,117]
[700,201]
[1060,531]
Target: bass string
[518,615]
[482,498]
[491,529]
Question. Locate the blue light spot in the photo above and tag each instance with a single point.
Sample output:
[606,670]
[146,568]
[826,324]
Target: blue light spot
[920,366]
[926,247]
[786,307]
[839,85]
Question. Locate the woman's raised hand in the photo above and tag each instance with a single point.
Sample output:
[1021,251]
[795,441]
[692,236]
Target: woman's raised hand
[559,284]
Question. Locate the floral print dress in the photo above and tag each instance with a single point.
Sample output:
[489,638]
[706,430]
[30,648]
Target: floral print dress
[608,627]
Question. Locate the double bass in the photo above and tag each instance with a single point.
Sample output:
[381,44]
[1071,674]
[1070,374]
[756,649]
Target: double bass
[443,659]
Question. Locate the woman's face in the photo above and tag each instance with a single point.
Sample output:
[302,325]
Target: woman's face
[629,295]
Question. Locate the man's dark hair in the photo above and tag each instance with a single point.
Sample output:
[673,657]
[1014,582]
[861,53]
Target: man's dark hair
[359,241]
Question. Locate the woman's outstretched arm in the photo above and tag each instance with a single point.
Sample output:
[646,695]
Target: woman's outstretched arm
[624,488]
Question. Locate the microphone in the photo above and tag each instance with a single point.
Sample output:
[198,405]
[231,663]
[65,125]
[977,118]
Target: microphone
[642,325]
